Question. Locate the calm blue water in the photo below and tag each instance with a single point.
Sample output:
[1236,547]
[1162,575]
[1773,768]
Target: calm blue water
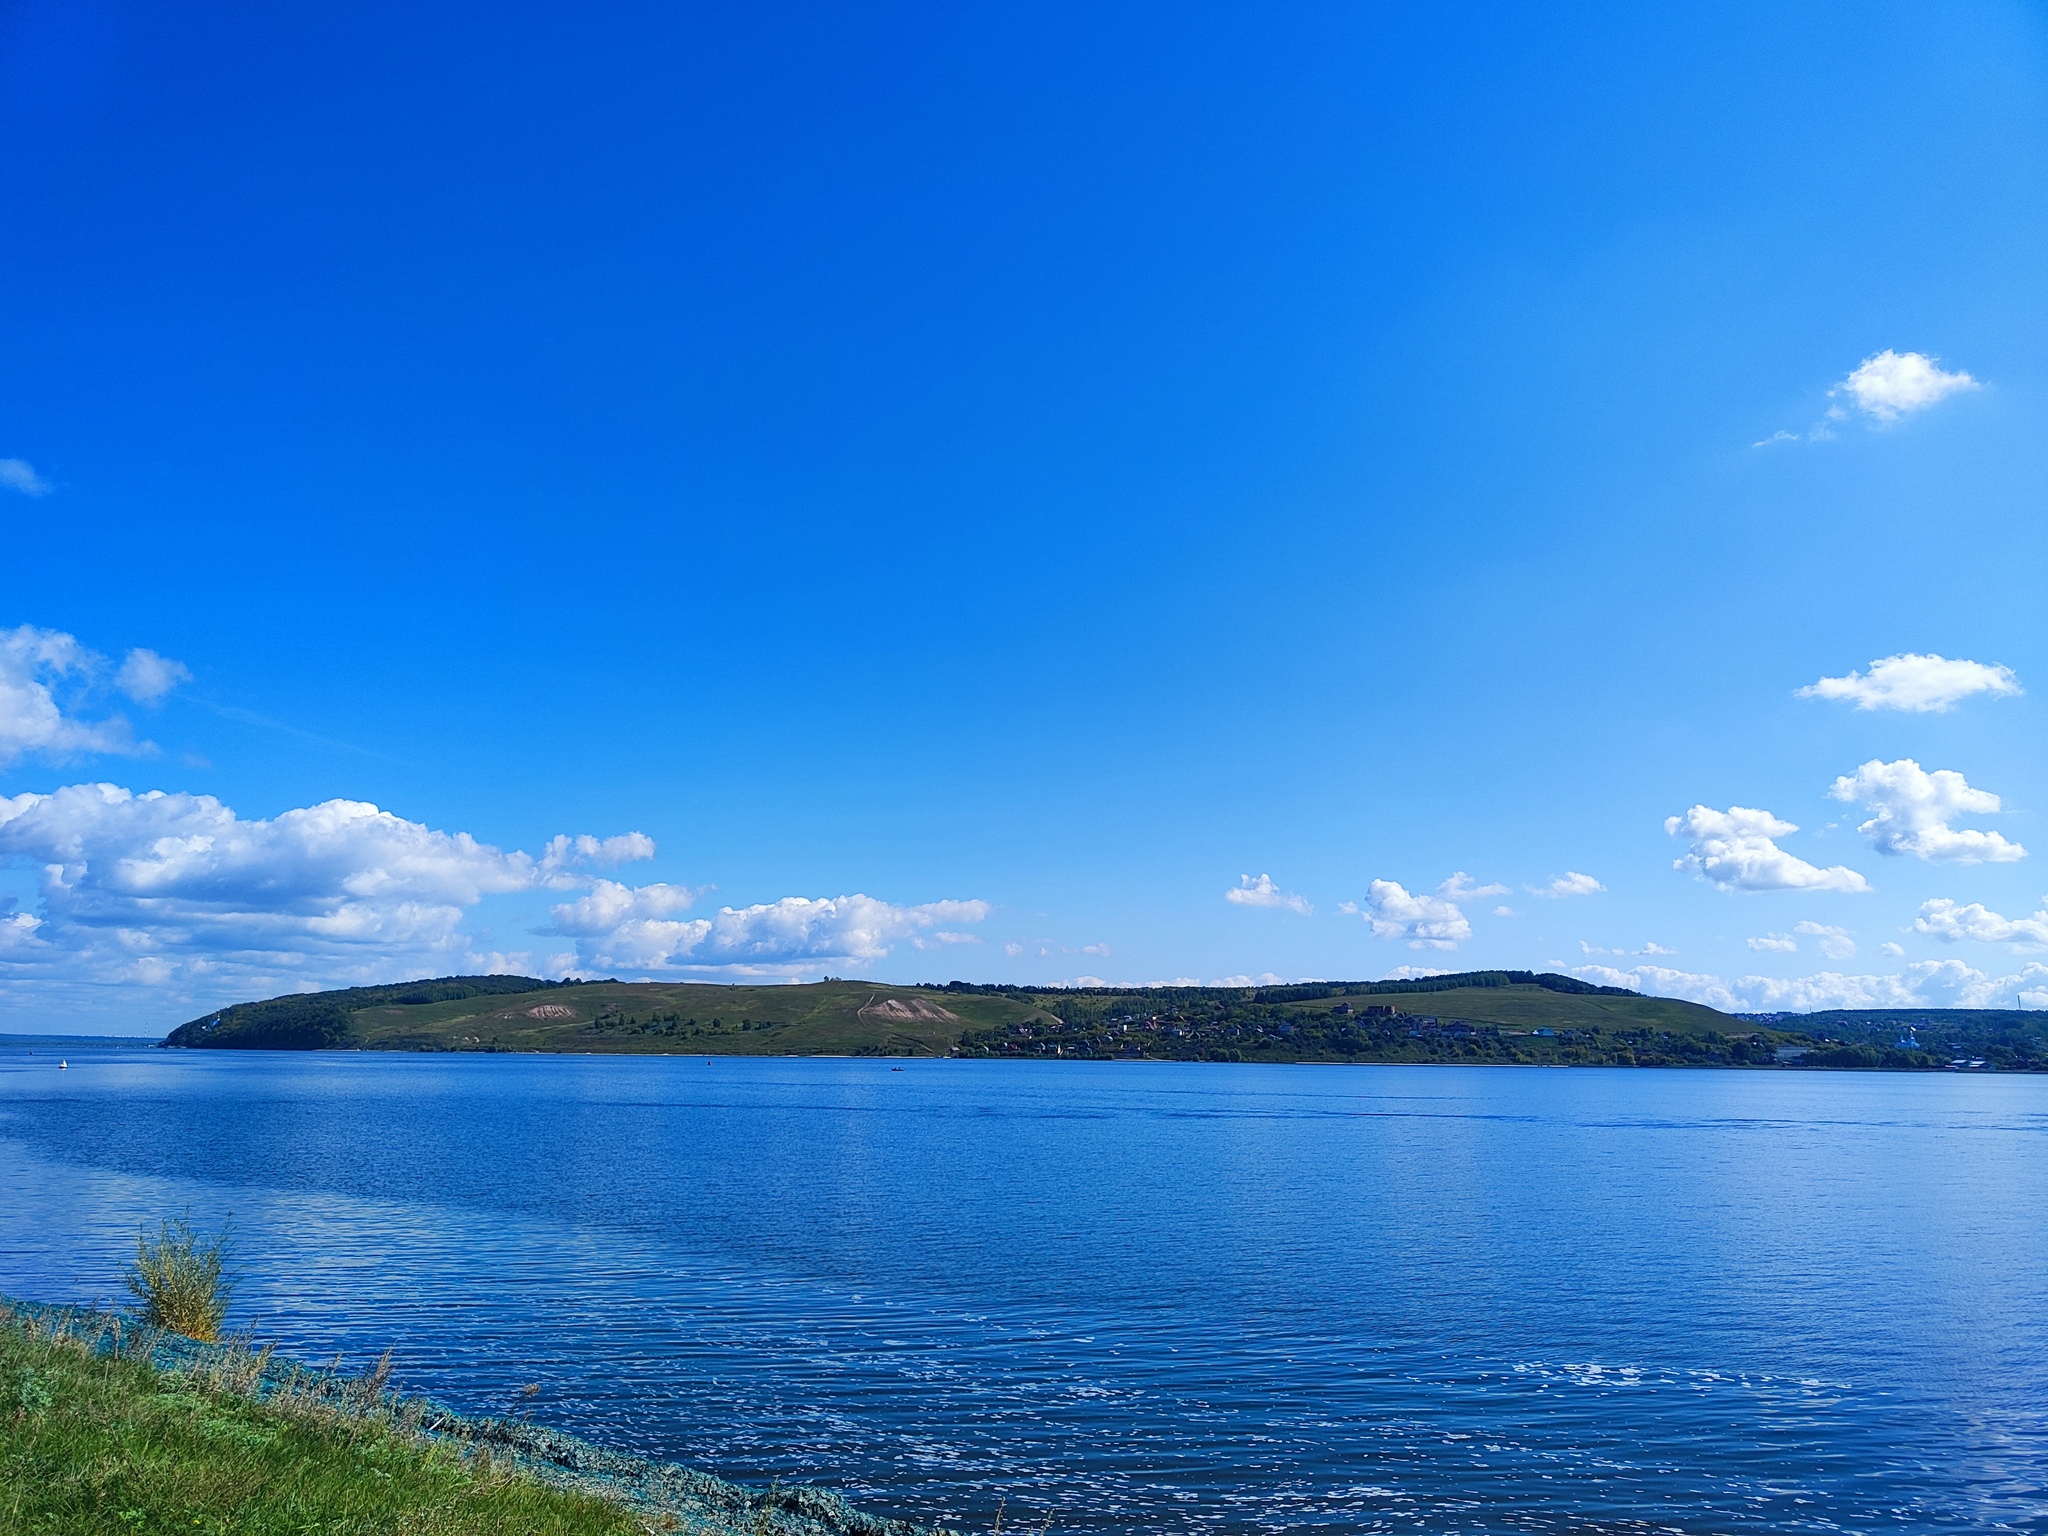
[1141,1298]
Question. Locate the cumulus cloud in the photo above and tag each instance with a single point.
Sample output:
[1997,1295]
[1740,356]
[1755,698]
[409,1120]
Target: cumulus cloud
[1262,892]
[1950,921]
[1460,887]
[622,928]
[20,475]
[1737,850]
[1775,944]
[1928,684]
[1835,943]
[1892,384]
[1414,972]
[1570,883]
[143,887]
[1913,809]
[1425,922]
[1652,947]
[1927,984]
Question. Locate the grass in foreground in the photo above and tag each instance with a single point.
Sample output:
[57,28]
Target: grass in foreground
[93,1444]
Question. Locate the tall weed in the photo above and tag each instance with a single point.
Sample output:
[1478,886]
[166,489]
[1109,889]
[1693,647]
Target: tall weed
[178,1277]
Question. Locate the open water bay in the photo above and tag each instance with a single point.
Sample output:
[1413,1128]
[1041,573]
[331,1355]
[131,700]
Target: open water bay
[1130,1297]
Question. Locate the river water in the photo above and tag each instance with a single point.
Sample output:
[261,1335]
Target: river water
[1128,1297]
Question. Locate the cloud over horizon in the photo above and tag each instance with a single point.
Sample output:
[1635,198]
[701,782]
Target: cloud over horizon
[153,887]
[617,927]
[1925,984]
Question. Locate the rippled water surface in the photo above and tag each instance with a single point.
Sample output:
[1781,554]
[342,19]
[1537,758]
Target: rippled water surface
[1140,1298]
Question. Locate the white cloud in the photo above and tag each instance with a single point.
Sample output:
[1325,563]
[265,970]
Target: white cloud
[20,475]
[1927,684]
[1775,944]
[1894,384]
[1262,892]
[1892,948]
[1913,811]
[1835,943]
[1736,849]
[1426,922]
[1652,947]
[1570,883]
[154,885]
[1414,972]
[1926,984]
[1460,888]
[146,677]
[1505,912]
[1263,979]
[38,667]
[1944,919]
[622,928]
[563,852]
[1013,950]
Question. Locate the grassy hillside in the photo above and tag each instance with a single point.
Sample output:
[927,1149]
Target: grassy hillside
[831,1018]
[1474,1016]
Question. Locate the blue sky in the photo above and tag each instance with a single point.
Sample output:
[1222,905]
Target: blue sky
[1038,473]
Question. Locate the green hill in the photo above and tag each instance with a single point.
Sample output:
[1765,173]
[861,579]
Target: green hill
[1491,1015]
[517,1013]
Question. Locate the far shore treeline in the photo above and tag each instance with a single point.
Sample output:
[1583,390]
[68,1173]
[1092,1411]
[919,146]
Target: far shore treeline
[1476,1017]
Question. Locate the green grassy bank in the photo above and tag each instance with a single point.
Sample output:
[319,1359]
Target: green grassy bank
[107,1426]
[92,1443]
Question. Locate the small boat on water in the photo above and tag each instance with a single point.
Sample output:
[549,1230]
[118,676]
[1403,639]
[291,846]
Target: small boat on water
[63,1066]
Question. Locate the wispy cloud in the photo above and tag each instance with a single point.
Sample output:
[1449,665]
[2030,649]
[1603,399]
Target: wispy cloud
[1835,943]
[20,475]
[1737,850]
[1262,892]
[1570,883]
[147,677]
[1913,808]
[1928,684]
[1461,887]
